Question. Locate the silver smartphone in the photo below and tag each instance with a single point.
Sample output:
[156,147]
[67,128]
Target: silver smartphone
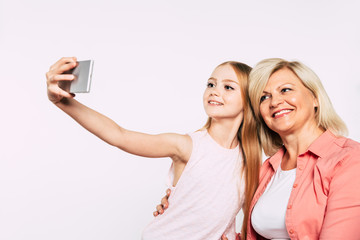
[83,74]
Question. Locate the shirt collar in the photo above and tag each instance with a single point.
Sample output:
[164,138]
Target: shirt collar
[322,144]
[319,147]
[275,160]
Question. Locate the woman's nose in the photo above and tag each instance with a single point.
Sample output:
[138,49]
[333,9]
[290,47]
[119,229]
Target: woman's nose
[276,100]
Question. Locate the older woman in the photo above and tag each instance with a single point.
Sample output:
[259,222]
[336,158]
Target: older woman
[310,187]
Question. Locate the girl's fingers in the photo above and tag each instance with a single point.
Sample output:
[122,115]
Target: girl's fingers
[69,61]
[59,92]
[54,77]
[54,83]
[56,71]
[62,77]
[155,213]
[65,67]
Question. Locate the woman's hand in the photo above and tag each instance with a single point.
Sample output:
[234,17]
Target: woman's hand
[55,75]
[223,237]
[164,204]
[238,237]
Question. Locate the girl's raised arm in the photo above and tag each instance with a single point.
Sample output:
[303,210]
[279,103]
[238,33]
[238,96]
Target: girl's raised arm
[176,146]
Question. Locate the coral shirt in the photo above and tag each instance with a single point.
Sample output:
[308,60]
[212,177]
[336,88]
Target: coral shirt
[325,199]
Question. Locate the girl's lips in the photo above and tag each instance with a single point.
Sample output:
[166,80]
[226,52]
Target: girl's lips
[212,102]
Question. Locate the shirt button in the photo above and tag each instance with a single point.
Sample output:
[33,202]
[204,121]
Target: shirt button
[291,231]
[295,185]
[289,206]
[300,168]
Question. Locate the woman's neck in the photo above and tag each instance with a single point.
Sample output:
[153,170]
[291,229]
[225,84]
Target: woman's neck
[297,143]
[225,132]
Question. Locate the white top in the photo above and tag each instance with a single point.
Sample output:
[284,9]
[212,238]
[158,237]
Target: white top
[268,216]
[207,197]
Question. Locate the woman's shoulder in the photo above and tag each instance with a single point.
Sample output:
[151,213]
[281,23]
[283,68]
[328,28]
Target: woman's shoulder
[346,147]
[349,143]
[343,154]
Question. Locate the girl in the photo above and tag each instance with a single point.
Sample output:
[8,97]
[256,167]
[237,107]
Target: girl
[214,170]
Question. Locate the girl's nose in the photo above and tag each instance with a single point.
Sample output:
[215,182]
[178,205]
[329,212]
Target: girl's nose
[214,91]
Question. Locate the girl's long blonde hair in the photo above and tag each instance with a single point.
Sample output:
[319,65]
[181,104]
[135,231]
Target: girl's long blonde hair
[248,138]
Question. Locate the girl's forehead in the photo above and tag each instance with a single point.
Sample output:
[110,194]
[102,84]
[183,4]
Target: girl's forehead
[224,72]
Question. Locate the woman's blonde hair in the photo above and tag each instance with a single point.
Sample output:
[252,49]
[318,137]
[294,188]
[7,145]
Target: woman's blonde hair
[325,114]
[248,138]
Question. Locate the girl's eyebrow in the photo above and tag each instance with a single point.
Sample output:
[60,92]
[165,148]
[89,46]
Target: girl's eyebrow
[230,80]
[224,80]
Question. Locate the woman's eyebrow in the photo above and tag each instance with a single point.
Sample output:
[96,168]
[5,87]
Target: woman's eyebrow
[282,85]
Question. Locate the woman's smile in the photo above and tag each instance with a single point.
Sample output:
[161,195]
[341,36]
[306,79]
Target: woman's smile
[281,113]
[286,104]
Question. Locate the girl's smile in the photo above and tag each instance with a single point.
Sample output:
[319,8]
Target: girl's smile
[222,97]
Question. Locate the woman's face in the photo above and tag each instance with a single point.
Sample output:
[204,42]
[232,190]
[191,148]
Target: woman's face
[286,105]
[222,96]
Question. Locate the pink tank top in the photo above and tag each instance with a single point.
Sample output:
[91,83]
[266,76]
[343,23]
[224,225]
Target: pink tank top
[209,194]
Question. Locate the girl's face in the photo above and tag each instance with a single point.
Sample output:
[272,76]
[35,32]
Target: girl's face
[286,105]
[222,97]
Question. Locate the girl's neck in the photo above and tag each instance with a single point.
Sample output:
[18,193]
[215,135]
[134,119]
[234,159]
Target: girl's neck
[225,133]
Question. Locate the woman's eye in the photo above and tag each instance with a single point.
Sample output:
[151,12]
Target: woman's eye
[210,85]
[285,89]
[263,98]
[227,87]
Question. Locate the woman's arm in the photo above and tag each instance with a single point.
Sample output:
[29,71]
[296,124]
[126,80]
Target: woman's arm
[342,216]
[176,146]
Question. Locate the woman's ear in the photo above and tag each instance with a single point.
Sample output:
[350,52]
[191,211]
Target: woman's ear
[316,104]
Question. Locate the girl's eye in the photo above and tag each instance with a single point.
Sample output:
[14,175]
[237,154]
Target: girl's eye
[285,90]
[263,98]
[210,85]
[227,87]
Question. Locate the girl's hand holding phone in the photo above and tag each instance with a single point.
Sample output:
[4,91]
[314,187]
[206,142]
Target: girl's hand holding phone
[54,77]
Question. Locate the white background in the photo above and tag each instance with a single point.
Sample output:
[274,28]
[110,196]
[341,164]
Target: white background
[152,60]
